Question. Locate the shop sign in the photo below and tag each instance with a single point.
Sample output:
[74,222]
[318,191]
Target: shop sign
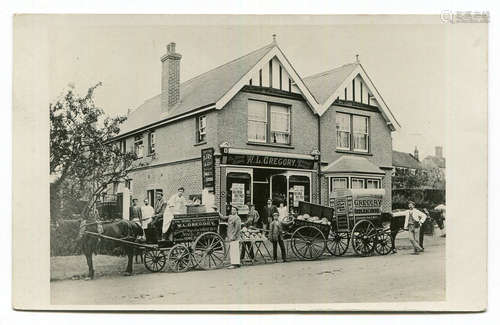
[208,169]
[268,161]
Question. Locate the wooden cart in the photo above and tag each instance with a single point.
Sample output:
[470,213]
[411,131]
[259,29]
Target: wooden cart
[358,221]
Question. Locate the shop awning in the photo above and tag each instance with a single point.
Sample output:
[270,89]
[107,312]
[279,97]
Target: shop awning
[353,164]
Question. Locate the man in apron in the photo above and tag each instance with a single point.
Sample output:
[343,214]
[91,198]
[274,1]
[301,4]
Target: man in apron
[176,205]
[233,236]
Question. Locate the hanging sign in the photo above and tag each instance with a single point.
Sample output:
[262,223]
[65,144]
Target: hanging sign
[208,169]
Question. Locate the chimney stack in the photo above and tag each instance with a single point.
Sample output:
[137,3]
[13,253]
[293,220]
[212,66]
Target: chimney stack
[415,153]
[170,78]
[439,152]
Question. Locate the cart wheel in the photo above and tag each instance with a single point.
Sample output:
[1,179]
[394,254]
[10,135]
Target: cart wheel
[383,243]
[154,260]
[363,237]
[308,242]
[209,251]
[337,243]
[179,258]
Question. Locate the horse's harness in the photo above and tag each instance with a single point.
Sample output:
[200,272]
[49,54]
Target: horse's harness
[100,229]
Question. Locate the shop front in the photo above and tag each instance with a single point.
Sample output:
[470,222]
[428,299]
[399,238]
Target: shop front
[253,177]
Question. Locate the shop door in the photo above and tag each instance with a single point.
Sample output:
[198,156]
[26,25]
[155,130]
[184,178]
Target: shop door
[260,195]
[278,188]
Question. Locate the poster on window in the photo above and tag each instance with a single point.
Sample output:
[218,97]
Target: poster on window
[298,195]
[238,194]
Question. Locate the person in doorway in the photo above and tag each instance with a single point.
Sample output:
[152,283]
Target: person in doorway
[176,205]
[283,211]
[276,237]
[267,213]
[147,212]
[414,221]
[233,237]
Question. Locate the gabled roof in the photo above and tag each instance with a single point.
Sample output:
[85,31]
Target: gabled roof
[324,84]
[205,89]
[353,164]
[329,85]
[404,160]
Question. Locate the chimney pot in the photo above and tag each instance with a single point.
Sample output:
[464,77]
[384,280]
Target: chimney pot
[170,78]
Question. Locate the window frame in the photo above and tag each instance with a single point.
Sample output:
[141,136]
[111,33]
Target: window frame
[351,132]
[269,139]
[199,129]
[332,182]
[151,143]
[137,139]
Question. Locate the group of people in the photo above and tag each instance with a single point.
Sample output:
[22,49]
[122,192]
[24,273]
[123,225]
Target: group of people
[271,222]
[146,215]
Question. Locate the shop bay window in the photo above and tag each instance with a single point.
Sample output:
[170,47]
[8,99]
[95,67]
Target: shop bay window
[353,183]
[338,183]
[268,123]
[352,132]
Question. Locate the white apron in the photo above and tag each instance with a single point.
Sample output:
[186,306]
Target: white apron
[234,252]
[168,216]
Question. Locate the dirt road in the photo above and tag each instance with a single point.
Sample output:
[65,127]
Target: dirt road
[398,277]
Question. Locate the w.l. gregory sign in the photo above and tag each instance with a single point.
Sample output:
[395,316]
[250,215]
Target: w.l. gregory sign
[268,161]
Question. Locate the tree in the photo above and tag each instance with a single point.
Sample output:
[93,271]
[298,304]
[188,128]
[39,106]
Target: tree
[83,159]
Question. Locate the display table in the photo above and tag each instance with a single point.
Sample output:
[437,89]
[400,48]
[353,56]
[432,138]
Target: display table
[259,249]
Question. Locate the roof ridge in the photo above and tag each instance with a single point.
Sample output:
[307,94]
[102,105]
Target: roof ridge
[271,45]
[328,71]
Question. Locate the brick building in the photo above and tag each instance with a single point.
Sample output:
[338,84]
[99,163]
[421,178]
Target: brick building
[264,131]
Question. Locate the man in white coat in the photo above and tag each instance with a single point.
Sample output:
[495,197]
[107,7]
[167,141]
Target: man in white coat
[176,205]
[414,221]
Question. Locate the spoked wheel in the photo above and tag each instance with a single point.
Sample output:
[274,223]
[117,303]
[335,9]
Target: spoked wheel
[180,258]
[308,243]
[383,243]
[209,251]
[154,260]
[337,243]
[363,238]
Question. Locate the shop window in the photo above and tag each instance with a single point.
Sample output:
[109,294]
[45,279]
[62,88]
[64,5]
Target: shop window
[139,146]
[372,183]
[299,190]
[268,123]
[357,183]
[238,189]
[201,129]
[338,183]
[151,142]
[352,132]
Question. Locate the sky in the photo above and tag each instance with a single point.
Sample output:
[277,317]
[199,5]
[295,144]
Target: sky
[406,62]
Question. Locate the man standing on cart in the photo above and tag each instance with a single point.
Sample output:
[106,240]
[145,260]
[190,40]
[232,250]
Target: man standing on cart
[176,205]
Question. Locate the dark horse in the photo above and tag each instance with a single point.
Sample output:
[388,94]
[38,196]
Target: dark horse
[121,229]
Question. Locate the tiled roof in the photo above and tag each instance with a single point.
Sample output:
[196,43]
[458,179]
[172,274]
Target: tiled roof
[200,91]
[353,164]
[405,160]
[324,84]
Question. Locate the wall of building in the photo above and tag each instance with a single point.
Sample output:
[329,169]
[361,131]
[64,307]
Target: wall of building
[232,124]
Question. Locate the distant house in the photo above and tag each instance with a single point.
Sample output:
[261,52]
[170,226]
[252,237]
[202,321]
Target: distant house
[404,163]
[436,161]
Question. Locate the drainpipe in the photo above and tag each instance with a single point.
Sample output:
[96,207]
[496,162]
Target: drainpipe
[319,159]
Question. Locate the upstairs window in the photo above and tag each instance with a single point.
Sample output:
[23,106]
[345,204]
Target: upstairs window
[257,121]
[353,132]
[151,142]
[139,146]
[343,124]
[280,124]
[268,123]
[201,129]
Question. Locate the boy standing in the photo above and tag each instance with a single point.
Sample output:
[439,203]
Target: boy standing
[276,237]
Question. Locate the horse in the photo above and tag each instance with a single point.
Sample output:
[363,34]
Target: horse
[121,229]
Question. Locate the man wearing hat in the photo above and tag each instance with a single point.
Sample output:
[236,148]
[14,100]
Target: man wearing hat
[413,222]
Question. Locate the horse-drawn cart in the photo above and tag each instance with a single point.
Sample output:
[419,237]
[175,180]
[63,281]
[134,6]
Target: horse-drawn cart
[358,221]
[194,242]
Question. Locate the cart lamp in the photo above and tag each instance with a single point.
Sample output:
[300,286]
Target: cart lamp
[224,147]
